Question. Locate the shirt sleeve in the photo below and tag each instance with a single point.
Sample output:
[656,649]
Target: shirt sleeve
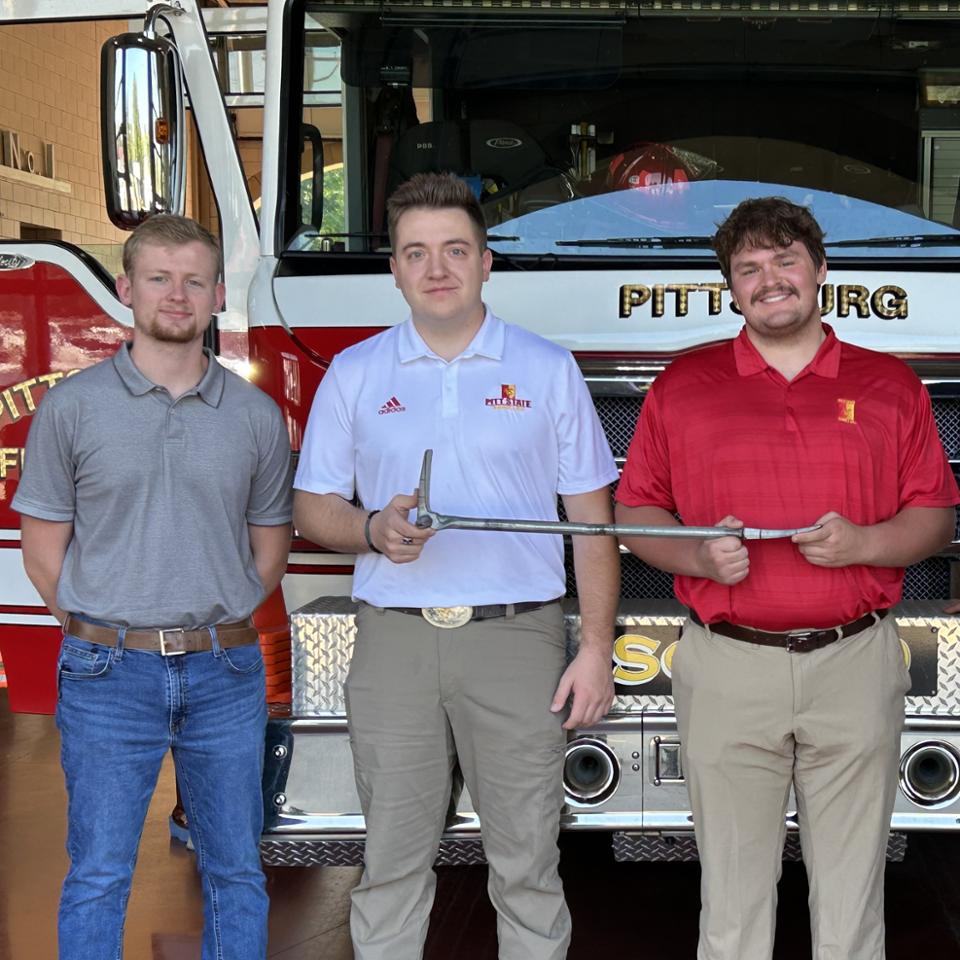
[926,479]
[646,479]
[47,487]
[585,462]
[271,494]
[328,456]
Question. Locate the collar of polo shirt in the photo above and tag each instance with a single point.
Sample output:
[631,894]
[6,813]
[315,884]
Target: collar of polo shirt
[487,342]
[826,361]
[209,389]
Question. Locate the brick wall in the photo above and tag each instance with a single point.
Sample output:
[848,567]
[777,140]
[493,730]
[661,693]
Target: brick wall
[49,92]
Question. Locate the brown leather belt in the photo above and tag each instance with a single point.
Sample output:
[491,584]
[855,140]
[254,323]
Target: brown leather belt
[795,641]
[169,641]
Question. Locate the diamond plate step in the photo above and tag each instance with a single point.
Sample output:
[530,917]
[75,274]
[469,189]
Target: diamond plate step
[349,853]
[683,848]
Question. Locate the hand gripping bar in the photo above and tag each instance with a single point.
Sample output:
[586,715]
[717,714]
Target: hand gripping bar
[428,518]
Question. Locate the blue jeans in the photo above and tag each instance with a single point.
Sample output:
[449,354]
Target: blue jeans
[119,711]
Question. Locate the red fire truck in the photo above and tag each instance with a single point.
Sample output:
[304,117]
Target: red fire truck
[605,140]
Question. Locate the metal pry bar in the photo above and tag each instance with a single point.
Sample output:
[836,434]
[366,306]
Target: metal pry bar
[430,519]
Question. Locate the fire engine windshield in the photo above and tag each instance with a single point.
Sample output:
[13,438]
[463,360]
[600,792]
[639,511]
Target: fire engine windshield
[592,139]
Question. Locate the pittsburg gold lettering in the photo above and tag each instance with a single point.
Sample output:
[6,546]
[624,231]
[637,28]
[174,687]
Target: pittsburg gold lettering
[16,402]
[11,462]
[634,295]
[888,302]
[21,399]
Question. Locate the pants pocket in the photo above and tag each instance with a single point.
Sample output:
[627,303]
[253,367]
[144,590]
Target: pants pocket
[243,660]
[82,660]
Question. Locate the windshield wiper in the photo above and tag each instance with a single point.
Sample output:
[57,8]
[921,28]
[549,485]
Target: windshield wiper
[641,243]
[918,240]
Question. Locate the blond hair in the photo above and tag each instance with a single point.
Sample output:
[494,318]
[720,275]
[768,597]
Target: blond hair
[169,230]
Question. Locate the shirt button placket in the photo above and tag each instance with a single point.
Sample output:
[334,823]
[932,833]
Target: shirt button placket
[789,420]
[174,430]
[450,393]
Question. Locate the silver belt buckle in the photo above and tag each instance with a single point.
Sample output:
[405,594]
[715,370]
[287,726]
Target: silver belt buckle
[163,643]
[796,638]
[447,617]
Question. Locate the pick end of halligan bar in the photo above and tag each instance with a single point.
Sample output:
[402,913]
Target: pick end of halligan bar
[425,516]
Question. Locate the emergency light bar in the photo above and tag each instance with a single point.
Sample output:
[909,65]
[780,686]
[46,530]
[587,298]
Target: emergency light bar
[801,8]
[734,8]
[395,8]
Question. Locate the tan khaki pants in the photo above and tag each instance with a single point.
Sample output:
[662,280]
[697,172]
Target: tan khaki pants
[420,698]
[752,721]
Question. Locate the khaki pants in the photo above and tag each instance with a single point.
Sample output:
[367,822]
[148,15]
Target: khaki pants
[752,721]
[418,700]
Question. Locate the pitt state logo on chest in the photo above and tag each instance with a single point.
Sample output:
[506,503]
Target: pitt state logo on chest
[846,410]
[508,399]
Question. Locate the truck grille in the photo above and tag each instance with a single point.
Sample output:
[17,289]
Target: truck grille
[946,411]
[619,417]
[928,580]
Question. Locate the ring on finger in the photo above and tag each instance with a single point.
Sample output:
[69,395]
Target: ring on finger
[406,541]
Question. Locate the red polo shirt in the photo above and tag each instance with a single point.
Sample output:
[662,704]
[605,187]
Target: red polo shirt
[721,432]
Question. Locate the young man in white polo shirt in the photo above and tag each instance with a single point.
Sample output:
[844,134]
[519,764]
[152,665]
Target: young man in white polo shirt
[512,425]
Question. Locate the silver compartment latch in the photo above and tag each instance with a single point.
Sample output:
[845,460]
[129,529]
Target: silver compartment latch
[667,765]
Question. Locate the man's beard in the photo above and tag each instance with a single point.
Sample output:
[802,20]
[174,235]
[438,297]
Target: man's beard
[167,334]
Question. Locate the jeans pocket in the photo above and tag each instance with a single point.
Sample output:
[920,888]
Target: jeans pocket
[82,660]
[243,660]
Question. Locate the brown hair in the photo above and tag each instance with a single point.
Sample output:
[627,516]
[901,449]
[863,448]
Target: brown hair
[435,191]
[767,222]
[169,230]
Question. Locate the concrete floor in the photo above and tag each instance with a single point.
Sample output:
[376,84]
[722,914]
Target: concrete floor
[620,910]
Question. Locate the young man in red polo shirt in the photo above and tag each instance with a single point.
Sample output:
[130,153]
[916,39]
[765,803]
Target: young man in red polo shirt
[786,426]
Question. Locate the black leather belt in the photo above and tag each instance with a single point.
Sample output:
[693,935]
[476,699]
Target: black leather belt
[168,641]
[796,641]
[458,616]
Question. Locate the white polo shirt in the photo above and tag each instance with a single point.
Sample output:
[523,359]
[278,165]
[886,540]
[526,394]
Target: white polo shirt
[511,424]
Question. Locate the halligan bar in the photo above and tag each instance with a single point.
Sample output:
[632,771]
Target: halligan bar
[428,518]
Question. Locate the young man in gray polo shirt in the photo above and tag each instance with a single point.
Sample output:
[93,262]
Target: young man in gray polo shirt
[156,509]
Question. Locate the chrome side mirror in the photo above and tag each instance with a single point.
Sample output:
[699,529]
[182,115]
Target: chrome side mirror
[142,128]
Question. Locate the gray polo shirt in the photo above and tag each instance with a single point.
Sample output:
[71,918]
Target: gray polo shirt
[160,492]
